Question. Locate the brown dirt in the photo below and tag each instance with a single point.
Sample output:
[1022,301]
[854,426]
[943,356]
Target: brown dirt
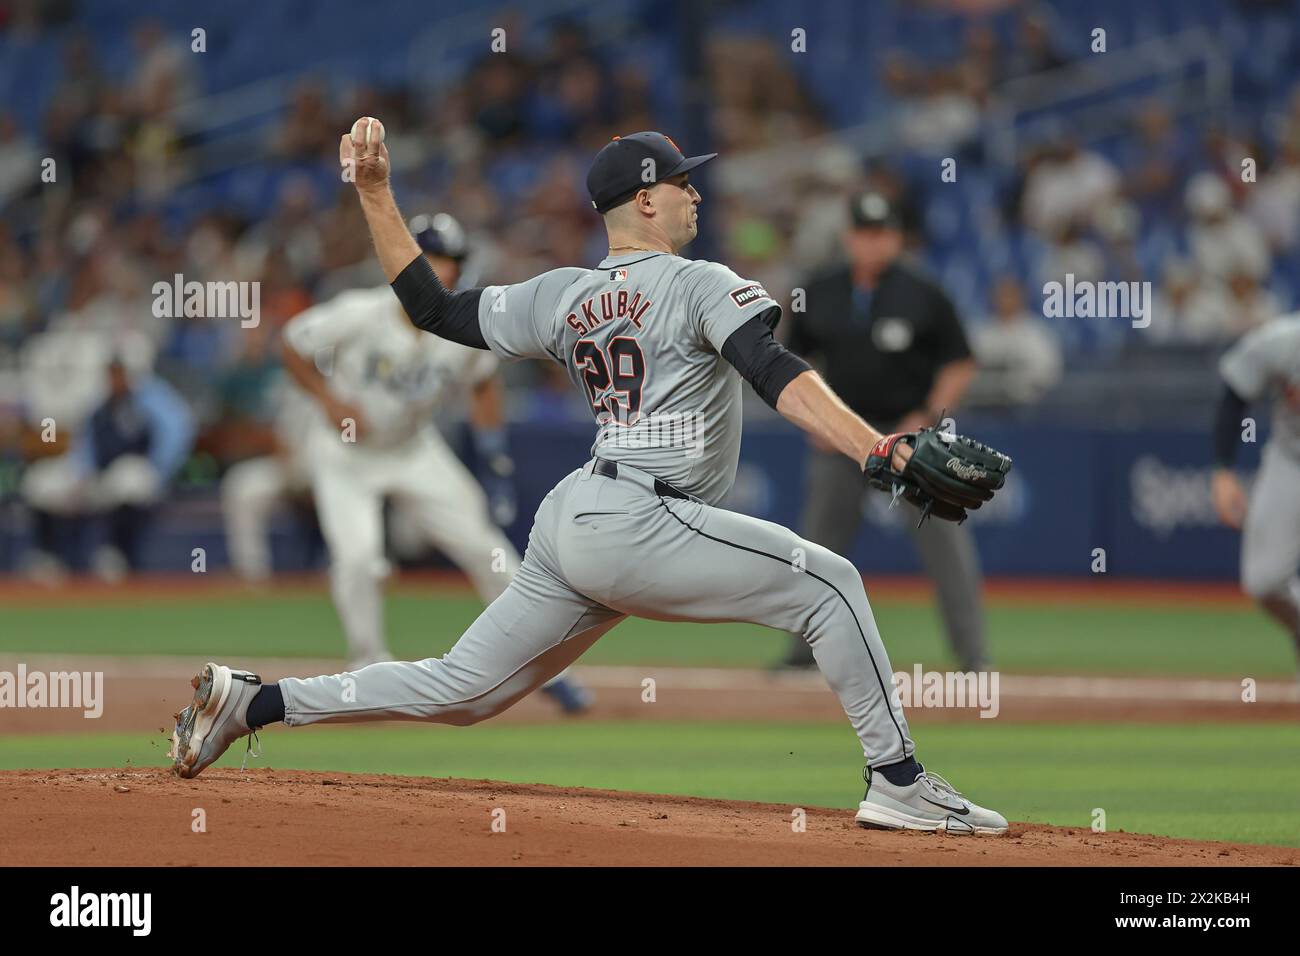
[265,817]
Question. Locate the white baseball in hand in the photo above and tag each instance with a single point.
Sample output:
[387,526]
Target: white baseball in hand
[366,128]
[363,155]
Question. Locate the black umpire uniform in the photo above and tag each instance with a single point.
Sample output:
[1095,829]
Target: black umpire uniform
[881,345]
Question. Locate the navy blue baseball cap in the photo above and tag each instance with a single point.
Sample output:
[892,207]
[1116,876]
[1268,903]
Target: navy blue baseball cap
[619,170]
[439,235]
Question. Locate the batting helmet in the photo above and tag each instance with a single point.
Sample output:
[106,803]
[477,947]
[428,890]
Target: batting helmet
[440,235]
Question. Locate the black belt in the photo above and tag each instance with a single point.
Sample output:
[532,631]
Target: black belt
[609,469]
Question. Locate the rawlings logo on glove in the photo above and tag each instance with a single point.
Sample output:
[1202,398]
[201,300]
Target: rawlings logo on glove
[963,470]
[946,476]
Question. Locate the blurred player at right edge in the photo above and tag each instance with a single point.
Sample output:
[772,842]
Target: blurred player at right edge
[1264,363]
[376,439]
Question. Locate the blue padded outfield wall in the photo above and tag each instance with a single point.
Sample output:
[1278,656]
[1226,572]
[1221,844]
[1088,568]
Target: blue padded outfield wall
[1143,496]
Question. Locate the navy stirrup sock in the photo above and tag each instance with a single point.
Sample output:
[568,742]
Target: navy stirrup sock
[266,707]
[901,774]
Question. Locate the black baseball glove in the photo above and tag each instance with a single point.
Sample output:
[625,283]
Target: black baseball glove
[946,475]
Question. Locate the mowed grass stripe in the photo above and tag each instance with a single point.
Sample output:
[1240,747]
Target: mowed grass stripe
[1079,637]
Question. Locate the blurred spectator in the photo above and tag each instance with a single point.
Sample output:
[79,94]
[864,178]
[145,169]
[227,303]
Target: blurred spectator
[82,77]
[635,92]
[309,132]
[1035,50]
[119,468]
[1222,240]
[938,108]
[1155,165]
[1019,355]
[292,229]
[1224,151]
[1208,312]
[983,53]
[110,295]
[1065,185]
[498,90]
[1206,318]
[1073,252]
[164,73]
[1250,305]
[20,163]
[832,171]
[574,98]
[1173,302]
[1118,226]
[757,99]
[1274,203]
[16,301]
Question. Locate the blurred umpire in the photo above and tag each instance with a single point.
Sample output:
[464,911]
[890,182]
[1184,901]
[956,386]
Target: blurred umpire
[891,346]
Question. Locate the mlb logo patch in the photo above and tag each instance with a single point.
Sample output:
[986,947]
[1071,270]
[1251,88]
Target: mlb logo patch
[618,275]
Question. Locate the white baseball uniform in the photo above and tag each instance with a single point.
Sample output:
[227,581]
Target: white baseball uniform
[253,489]
[396,376]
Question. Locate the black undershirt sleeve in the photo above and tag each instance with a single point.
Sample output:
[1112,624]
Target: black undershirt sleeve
[760,359]
[429,306]
[1227,427]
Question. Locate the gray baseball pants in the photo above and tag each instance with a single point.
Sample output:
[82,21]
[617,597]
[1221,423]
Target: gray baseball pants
[602,548]
[832,516]
[1270,543]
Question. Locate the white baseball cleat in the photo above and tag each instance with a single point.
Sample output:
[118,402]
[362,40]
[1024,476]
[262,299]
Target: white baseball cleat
[928,803]
[215,719]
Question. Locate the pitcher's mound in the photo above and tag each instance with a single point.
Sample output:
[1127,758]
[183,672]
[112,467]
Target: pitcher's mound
[150,817]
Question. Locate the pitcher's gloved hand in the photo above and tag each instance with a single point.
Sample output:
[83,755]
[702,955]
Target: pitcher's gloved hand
[945,476]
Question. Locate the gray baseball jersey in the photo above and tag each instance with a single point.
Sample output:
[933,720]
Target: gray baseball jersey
[641,337]
[1265,364]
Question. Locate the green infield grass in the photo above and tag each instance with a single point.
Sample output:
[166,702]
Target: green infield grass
[1078,635]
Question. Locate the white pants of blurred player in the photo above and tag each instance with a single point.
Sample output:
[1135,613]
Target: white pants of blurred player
[251,492]
[437,498]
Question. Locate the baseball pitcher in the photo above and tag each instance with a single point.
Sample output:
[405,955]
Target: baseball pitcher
[661,347]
